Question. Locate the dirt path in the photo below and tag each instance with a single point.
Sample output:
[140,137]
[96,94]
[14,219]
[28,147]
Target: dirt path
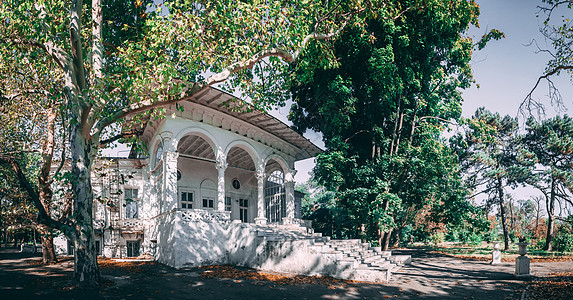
[430,276]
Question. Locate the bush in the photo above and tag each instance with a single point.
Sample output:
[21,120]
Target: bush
[539,244]
[406,235]
[436,238]
[474,239]
[563,241]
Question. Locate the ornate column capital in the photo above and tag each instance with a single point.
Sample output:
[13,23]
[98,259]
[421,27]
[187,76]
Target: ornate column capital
[167,141]
[260,174]
[221,161]
[289,176]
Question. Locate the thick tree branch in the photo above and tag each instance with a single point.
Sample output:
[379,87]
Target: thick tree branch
[44,217]
[24,93]
[121,135]
[58,54]
[199,87]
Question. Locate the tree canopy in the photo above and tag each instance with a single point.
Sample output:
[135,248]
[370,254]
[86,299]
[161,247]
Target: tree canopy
[548,146]
[381,108]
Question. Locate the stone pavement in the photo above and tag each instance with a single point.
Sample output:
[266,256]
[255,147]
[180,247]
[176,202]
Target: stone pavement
[430,276]
[437,276]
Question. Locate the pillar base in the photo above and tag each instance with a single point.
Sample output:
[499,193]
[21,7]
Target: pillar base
[496,257]
[287,221]
[522,266]
[261,221]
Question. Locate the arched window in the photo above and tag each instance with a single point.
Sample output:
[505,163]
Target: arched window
[275,199]
[158,155]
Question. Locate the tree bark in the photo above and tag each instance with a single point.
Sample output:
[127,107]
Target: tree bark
[502,214]
[83,149]
[550,217]
[48,252]
[386,240]
[537,210]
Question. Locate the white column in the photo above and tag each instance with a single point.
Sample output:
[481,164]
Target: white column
[260,219]
[221,167]
[289,193]
[170,156]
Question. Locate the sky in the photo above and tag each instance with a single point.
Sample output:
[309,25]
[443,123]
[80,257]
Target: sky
[506,70]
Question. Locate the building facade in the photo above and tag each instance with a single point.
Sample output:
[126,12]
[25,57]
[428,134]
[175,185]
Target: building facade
[210,158]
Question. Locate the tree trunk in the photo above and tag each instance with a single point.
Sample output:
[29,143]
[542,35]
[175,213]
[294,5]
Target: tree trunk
[549,236]
[386,240]
[550,218]
[48,252]
[538,208]
[502,214]
[396,237]
[83,150]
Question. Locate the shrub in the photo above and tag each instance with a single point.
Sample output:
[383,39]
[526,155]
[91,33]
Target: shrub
[563,241]
[539,244]
[436,238]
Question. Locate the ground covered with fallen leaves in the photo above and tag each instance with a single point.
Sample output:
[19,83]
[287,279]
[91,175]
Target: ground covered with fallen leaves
[281,279]
[558,286]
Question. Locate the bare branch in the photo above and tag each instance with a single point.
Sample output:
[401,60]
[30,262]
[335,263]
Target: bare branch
[528,103]
[24,93]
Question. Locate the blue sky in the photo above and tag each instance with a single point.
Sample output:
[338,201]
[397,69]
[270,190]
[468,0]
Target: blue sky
[506,70]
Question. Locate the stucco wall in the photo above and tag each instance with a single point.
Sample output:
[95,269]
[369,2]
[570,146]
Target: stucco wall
[207,242]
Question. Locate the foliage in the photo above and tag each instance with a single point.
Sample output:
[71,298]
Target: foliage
[381,109]
[320,206]
[437,238]
[547,149]
[563,241]
[488,157]
[16,212]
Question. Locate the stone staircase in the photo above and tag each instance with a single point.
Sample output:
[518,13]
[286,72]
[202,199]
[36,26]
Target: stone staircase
[352,259]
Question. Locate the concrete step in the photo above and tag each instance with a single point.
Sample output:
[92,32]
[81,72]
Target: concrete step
[379,263]
[369,274]
[371,257]
[401,259]
[351,241]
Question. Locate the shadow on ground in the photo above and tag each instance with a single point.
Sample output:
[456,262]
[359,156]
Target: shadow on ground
[430,276]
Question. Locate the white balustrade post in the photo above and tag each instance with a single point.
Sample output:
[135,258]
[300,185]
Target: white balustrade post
[260,219]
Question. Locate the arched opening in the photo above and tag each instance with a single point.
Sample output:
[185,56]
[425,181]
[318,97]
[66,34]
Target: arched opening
[241,184]
[158,155]
[196,173]
[194,146]
[275,196]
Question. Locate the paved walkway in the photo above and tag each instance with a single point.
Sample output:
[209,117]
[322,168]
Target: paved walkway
[430,276]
